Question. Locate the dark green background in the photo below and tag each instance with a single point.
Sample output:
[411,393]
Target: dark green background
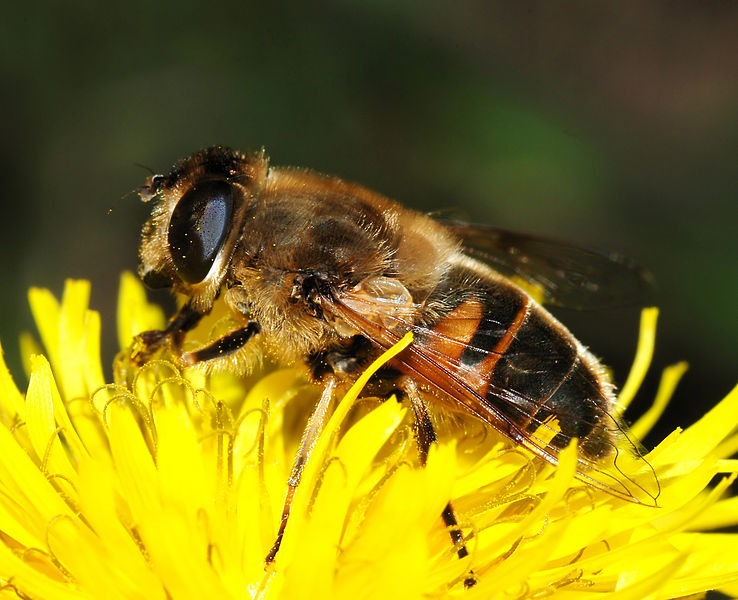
[614,124]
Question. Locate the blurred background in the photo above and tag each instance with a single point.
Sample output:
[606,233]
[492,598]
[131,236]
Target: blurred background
[611,124]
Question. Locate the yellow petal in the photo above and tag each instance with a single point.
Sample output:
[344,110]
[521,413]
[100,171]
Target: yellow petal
[171,486]
[44,406]
[642,360]
[135,313]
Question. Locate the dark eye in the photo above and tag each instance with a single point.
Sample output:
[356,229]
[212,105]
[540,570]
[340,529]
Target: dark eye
[198,228]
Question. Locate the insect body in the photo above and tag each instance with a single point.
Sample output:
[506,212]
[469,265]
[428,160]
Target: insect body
[332,273]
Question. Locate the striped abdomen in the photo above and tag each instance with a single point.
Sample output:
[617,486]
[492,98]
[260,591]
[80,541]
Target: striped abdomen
[520,363]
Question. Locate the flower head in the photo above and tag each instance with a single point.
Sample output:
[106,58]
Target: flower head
[169,484]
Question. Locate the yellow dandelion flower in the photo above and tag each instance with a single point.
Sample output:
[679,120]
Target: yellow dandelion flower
[170,484]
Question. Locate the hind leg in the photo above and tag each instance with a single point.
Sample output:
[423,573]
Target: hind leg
[425,435]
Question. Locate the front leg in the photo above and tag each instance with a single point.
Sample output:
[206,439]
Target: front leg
[147,343]
[228,344]
[186,319]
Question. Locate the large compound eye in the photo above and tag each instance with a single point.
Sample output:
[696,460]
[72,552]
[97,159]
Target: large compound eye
[198,228]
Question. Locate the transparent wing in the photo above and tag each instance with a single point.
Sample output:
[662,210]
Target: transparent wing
[434,358]
[568,275]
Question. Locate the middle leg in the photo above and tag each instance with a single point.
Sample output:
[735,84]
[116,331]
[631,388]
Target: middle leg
[309,437]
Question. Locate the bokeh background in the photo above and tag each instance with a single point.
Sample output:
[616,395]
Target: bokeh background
[613,124]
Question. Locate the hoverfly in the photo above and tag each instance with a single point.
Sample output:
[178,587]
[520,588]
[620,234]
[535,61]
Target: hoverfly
[332,273]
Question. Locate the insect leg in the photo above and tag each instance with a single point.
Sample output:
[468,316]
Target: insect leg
[186,319]
[309,437]
[425,435]
[230,342]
